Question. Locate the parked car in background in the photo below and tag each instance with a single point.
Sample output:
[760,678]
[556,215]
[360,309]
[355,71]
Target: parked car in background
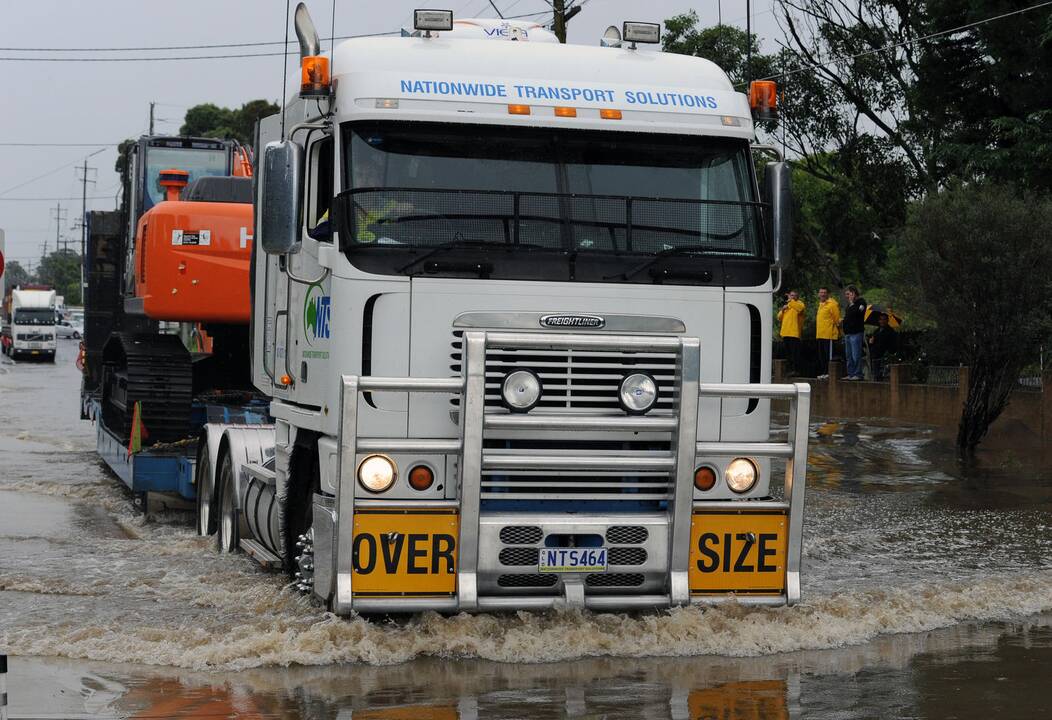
[69,328]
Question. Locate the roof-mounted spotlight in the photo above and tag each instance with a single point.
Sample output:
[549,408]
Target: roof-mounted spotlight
[611,38]
[634,32]
[428,20]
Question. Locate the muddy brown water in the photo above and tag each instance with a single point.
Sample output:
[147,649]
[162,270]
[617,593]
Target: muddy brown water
[927,593]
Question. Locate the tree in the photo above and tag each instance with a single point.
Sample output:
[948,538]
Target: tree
[15,274]
[61,270]
[976,260]
[210,120]
[851,189]
[725,45]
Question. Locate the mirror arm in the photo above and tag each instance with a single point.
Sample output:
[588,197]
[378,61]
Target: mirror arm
[305,281]
[773,149]
[777,271]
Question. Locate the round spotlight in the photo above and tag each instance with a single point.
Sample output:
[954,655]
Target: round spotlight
[521,390]
[421,478]
[638,393]
[741,475]
[704,478]
[377,473]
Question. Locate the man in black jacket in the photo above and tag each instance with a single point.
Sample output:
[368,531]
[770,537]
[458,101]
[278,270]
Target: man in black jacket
[854,327]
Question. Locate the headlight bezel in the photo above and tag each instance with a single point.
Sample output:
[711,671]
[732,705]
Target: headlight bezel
[621,393]
[391,464]
[749,463]
[504,390]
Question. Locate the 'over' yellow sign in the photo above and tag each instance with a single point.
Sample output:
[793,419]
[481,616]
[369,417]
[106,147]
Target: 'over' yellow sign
[406,552]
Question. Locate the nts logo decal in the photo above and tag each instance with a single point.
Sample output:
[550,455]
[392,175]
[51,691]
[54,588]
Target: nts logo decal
[317,312]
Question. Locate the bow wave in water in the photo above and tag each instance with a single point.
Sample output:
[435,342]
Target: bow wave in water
[900,537]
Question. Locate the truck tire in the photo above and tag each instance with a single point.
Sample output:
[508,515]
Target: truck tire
[206,494]
[228,534]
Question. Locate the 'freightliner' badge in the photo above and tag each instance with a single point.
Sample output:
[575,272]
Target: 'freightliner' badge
[573,321]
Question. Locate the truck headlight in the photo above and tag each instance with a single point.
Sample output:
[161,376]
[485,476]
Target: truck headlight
[377,473]
[741,474]
[521,390]
[638,393]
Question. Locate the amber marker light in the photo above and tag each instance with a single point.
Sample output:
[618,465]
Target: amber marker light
[421,478]
[285,380]
[314,76]
[704,478]
[610,114]
[565,112]
[518,109]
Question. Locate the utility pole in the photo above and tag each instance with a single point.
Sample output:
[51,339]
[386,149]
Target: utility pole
[84,180]
[59,219]
[152,103]
[561,17]
[748,41]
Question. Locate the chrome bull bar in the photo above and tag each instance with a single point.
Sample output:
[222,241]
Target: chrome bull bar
[679,462]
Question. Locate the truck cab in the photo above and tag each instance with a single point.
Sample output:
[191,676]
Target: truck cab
[511,302]
[32,326]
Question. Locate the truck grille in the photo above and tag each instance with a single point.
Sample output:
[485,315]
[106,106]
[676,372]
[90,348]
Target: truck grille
[574,380]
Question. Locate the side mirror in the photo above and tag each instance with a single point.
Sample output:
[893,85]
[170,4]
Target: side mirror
[279,213]
[778,194]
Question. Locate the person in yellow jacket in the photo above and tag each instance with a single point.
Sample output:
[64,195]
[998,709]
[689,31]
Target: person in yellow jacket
[827,330]
[791,316]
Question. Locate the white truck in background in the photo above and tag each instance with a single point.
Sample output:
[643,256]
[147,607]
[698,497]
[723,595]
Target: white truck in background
[32,324]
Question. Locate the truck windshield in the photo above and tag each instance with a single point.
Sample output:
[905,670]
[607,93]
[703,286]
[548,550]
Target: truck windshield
[34,316]
[606,201]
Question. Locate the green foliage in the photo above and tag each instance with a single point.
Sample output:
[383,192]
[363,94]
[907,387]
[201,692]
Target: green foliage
[61,270]
[15,274]
[725,45]
[975,260]
[209,120]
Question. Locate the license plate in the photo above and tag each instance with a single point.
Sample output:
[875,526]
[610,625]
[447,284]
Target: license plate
[566,560]
[404,552]
[738,552]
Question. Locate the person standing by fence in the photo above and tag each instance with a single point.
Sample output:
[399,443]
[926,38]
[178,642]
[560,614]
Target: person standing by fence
[827,330]
[791,315]
[854,324]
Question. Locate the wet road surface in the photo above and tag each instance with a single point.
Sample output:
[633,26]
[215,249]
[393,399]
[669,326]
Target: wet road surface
[924,583]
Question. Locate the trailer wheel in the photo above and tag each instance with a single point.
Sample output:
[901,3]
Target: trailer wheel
[206,496]
[228,537]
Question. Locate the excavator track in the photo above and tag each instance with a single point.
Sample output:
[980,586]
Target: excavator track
[153,370]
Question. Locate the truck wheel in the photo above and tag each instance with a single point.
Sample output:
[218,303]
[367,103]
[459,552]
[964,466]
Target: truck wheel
[228,536]
[206,505]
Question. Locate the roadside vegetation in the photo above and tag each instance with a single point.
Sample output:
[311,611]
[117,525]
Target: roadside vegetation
[921,168]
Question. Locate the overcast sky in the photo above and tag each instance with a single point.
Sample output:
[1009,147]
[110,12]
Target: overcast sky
[105,102]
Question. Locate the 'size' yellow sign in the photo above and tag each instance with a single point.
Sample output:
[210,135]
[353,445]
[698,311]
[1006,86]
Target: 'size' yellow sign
[741,552]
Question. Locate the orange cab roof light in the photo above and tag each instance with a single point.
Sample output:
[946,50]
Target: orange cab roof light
[610,114]
[763,99]
[518,109]
[314,77]
[565,112]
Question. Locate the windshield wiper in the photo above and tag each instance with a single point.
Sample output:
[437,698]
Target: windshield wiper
[467,244]
[650,262]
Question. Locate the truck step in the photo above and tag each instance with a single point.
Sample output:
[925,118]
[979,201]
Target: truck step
[260,554]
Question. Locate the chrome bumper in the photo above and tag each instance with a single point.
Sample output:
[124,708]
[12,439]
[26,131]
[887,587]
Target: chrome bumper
[665,572]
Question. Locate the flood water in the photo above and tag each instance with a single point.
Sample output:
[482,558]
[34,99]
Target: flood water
[927,592]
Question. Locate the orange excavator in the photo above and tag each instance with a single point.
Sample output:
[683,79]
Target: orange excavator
[167,299]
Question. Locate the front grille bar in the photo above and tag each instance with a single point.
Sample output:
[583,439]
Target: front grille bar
[677,464]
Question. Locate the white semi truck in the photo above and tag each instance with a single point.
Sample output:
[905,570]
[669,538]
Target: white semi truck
[31,327]
[511,305]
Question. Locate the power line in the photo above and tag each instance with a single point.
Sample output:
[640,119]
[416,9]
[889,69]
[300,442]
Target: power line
[49,172]
[57,144]
[53,199]
[914,41]
[152,48]
[29,58]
